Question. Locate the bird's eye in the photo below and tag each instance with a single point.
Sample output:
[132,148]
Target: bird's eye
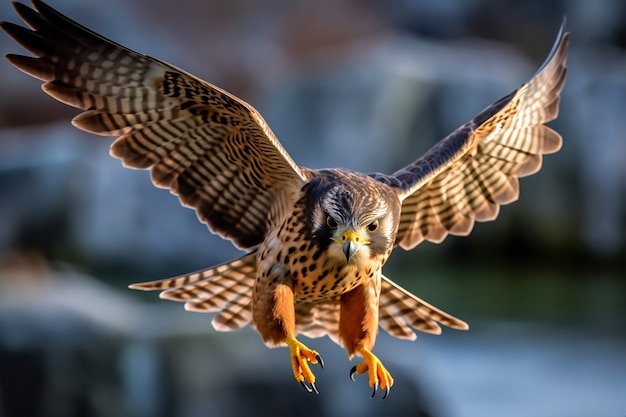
[331,222]
[373,226]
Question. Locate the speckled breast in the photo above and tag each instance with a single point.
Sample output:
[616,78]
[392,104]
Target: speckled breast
[315,282]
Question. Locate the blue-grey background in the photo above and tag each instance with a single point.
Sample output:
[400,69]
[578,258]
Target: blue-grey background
[367,85]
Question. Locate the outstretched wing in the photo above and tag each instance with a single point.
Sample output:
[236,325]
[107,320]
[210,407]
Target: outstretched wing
[470,173]
[208,147]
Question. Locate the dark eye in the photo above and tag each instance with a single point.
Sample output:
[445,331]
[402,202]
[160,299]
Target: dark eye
[331,222]
[373,226]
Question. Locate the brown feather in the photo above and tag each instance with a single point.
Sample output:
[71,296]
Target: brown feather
[197,139]
[469,174]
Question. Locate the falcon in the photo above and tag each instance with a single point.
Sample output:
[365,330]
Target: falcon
[315,240]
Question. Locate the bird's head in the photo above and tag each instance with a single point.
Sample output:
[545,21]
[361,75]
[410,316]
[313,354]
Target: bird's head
[353,216]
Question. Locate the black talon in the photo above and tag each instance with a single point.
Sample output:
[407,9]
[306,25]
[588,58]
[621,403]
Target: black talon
[314,388]
[374,391]
[306,387]
[320,361]
[311,388]
[386,393]
[352,372]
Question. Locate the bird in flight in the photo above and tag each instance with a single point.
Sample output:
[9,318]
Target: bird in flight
[315,240]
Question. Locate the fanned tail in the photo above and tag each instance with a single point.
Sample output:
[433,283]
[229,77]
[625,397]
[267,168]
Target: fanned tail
[400,312]
[226,289]
[317,319]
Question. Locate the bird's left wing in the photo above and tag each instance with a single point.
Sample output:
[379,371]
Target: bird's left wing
[210,148]
[467,175]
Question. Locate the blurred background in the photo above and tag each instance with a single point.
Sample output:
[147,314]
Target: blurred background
[368,85]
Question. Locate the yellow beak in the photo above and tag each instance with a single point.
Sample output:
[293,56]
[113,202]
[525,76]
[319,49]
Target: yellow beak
[350,242]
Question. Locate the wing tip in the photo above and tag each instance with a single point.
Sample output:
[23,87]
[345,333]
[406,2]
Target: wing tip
[460,325]
[151,286]
[142,286]
[559,47]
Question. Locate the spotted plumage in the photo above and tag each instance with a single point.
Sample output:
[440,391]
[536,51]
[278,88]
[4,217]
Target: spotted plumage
[315,240]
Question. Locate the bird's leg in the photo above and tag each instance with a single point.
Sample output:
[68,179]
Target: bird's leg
[274,317]
[300,356]
[358,325]
[378,374]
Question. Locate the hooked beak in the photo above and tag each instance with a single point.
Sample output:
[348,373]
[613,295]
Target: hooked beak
[350,242]
[349,249]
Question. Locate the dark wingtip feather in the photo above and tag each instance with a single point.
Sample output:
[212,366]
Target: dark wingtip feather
[35,67]
[559,47]
[30,16]
[26,38]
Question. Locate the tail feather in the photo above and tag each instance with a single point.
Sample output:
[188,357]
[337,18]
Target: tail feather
[317,319]
[226,289]
[400,312]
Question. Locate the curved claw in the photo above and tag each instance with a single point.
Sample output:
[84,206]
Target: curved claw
[301,356]
[376,389]
[379,377]
[314,388]
[305,386]
[320,361]
[308,388]
[352,372]
[386,393]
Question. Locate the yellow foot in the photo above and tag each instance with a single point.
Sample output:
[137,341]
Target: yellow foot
[379,376]
[300,356]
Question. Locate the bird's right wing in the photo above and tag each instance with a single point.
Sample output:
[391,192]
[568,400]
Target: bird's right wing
[210,148]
